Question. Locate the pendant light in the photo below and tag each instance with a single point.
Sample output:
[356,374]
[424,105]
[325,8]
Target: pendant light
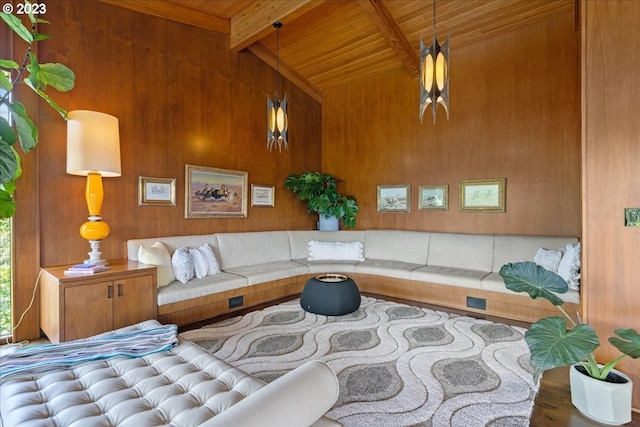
[434,74]
[277,120]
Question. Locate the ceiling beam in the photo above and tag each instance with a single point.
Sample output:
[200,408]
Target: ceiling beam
[256,20]
[391,31]
[177,13]
[262,52]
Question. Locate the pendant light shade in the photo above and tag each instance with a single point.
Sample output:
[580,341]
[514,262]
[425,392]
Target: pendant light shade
[277,119]
[277,123]
[434,74]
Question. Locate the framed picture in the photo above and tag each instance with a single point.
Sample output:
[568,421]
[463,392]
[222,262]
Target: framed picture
[215,193]
[156,191]
[262,195]
[433,197]
[394,198]
[484,195]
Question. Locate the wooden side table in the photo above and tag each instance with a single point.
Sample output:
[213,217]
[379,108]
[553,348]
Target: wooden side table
[79,306]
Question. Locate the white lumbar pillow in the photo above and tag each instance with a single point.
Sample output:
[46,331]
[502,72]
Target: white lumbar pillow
[335,251]
[158,255]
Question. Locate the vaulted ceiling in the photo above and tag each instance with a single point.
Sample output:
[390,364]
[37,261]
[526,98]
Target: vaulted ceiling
[325,43]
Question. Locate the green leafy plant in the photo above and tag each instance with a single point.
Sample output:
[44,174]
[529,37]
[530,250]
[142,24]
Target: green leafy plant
[320,192]
[561,341]
[38,77]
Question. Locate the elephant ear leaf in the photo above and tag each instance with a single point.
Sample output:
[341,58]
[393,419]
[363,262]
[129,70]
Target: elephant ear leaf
[535,280]
[552,345]
[628,343]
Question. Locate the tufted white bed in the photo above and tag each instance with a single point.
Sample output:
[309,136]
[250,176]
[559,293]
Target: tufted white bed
[183,386]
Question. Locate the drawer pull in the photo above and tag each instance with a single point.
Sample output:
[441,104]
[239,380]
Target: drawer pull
[119,289]
[110,291]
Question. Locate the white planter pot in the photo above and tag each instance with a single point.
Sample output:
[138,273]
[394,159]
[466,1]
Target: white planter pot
[607,403]
[330,224]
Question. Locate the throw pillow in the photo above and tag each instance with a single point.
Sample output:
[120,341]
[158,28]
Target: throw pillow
[204,260]
[182,263]
[213,267]
[199,262]
[569,268]
[158,255]
[548,258]
[335,251]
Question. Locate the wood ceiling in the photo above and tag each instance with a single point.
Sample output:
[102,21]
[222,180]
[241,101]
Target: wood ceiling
[325,43]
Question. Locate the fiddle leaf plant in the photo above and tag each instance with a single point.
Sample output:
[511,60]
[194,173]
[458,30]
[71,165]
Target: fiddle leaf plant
[561,340]
[39,77]
[320,192]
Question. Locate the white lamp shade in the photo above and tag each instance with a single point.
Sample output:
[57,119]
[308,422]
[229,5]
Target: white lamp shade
[93,144]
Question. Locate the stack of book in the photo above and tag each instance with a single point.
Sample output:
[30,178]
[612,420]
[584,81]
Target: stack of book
[86,269]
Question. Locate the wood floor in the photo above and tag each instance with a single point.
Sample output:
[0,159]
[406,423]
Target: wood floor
[552,407]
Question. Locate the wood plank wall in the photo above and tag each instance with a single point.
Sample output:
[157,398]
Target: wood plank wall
[611,171]
[181,98]
[514,114]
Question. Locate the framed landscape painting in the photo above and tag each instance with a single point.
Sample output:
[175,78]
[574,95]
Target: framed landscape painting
[433,197]
[215,193]
[483,195]
[394,198]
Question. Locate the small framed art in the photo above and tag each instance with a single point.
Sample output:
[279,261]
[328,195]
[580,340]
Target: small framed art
[156,191]
[483,195]
[394,198]
[262,195]
[433,197]
[215,193]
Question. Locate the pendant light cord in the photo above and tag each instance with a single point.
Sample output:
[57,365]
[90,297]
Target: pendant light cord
[278,25]
[434,18]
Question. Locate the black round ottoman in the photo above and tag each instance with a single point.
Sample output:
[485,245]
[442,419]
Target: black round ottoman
[330,294]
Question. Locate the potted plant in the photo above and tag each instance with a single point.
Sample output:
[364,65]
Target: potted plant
[597,390]
[321,194]
[36,76]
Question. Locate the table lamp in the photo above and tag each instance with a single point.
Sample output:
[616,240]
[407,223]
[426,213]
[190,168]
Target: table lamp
[93,150]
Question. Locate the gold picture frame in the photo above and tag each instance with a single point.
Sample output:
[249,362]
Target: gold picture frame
[156,191]
[394,198]
[263,195]
[483,195]
[215,193]
[433,197]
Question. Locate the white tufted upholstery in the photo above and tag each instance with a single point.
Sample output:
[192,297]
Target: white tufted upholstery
[183,387]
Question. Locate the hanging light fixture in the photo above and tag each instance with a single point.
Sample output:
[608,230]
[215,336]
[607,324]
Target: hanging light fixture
[277,120]
[434,74]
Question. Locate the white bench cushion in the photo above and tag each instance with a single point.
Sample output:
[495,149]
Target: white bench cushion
[461,251]
[381,267]
[449,276]
[196,288]
[397,245]
[260,273]
[260,247]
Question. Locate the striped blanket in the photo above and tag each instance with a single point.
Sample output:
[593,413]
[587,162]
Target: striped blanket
[48,357]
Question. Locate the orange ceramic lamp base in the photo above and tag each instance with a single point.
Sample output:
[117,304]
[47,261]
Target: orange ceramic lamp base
[94,230]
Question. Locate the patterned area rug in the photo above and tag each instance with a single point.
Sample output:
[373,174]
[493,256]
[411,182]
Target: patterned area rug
[397,365]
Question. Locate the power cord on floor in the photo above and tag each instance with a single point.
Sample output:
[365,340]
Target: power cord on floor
[33,298]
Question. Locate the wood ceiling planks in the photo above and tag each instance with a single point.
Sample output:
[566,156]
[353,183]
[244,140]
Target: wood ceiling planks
[327,43]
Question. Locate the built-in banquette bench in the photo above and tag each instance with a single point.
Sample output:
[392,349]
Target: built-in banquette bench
[447,269]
